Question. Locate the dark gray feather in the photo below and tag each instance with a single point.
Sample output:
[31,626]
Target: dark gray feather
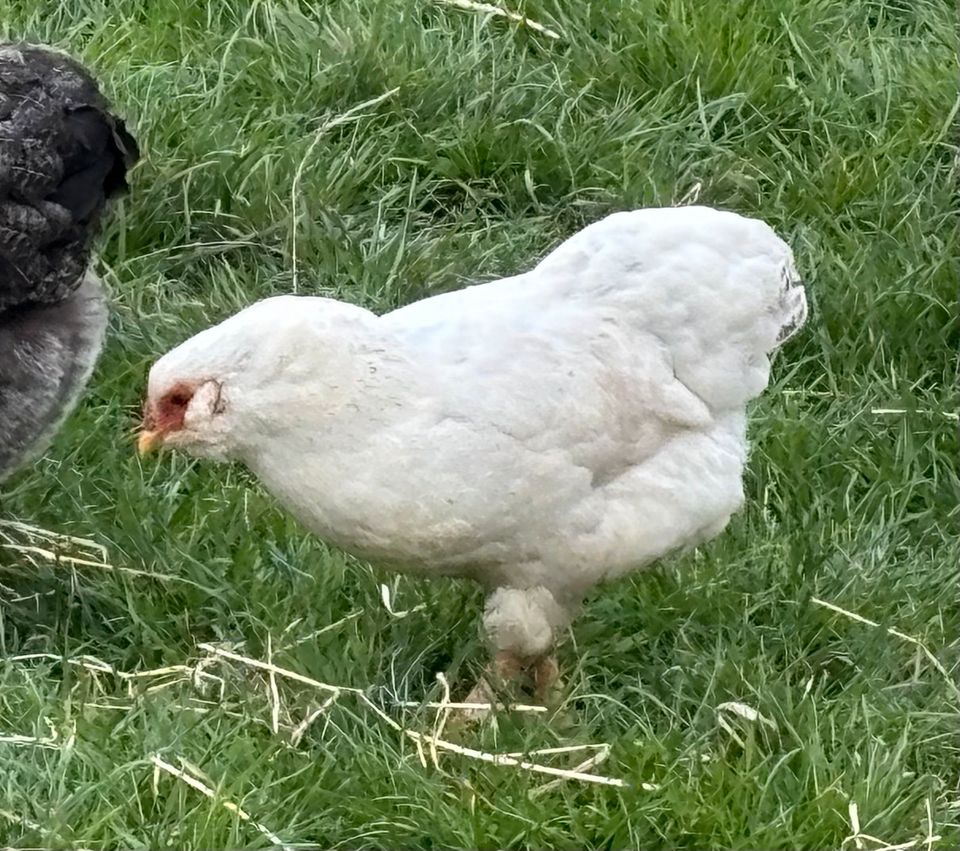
[47,353]
[62,156]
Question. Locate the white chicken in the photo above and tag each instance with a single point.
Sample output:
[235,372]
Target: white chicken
[539,434]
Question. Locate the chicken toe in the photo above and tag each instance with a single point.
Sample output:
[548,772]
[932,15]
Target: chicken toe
[504,669]
[546,679]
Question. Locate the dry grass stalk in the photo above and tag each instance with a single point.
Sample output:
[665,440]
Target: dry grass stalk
[602,752]
[59,540]
[504,760]
[489,9]
[419,739]
[32,741]
[860,839]
[495,759]
[203,789]
[949,415]
[742,710]
[311,716]
[42,545]
[593,746]
[691,196]
[512,707]
[273,693]
[443,714]
[283,672]
[97,666]
[90,663]
[386,597]
[318,632]
[897,634]
[52,741]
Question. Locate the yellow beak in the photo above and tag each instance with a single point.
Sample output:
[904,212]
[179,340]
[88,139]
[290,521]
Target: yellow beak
[148,441]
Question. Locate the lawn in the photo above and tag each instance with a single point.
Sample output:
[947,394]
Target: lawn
[383,151]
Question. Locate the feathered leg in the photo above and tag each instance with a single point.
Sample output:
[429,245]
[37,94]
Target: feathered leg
[522,625]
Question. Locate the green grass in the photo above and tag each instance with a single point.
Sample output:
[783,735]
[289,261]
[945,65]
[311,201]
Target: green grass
[830,119]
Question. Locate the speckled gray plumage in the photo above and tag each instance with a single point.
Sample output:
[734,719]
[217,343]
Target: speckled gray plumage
[62,157]
[47,353]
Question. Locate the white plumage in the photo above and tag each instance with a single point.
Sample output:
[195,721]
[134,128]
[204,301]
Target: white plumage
[539,434]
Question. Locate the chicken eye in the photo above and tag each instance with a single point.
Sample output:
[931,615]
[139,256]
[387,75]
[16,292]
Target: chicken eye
[179,400]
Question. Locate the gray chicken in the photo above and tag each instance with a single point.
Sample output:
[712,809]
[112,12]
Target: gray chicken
[62,156]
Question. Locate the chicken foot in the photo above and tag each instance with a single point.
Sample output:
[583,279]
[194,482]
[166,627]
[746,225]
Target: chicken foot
[507,669]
